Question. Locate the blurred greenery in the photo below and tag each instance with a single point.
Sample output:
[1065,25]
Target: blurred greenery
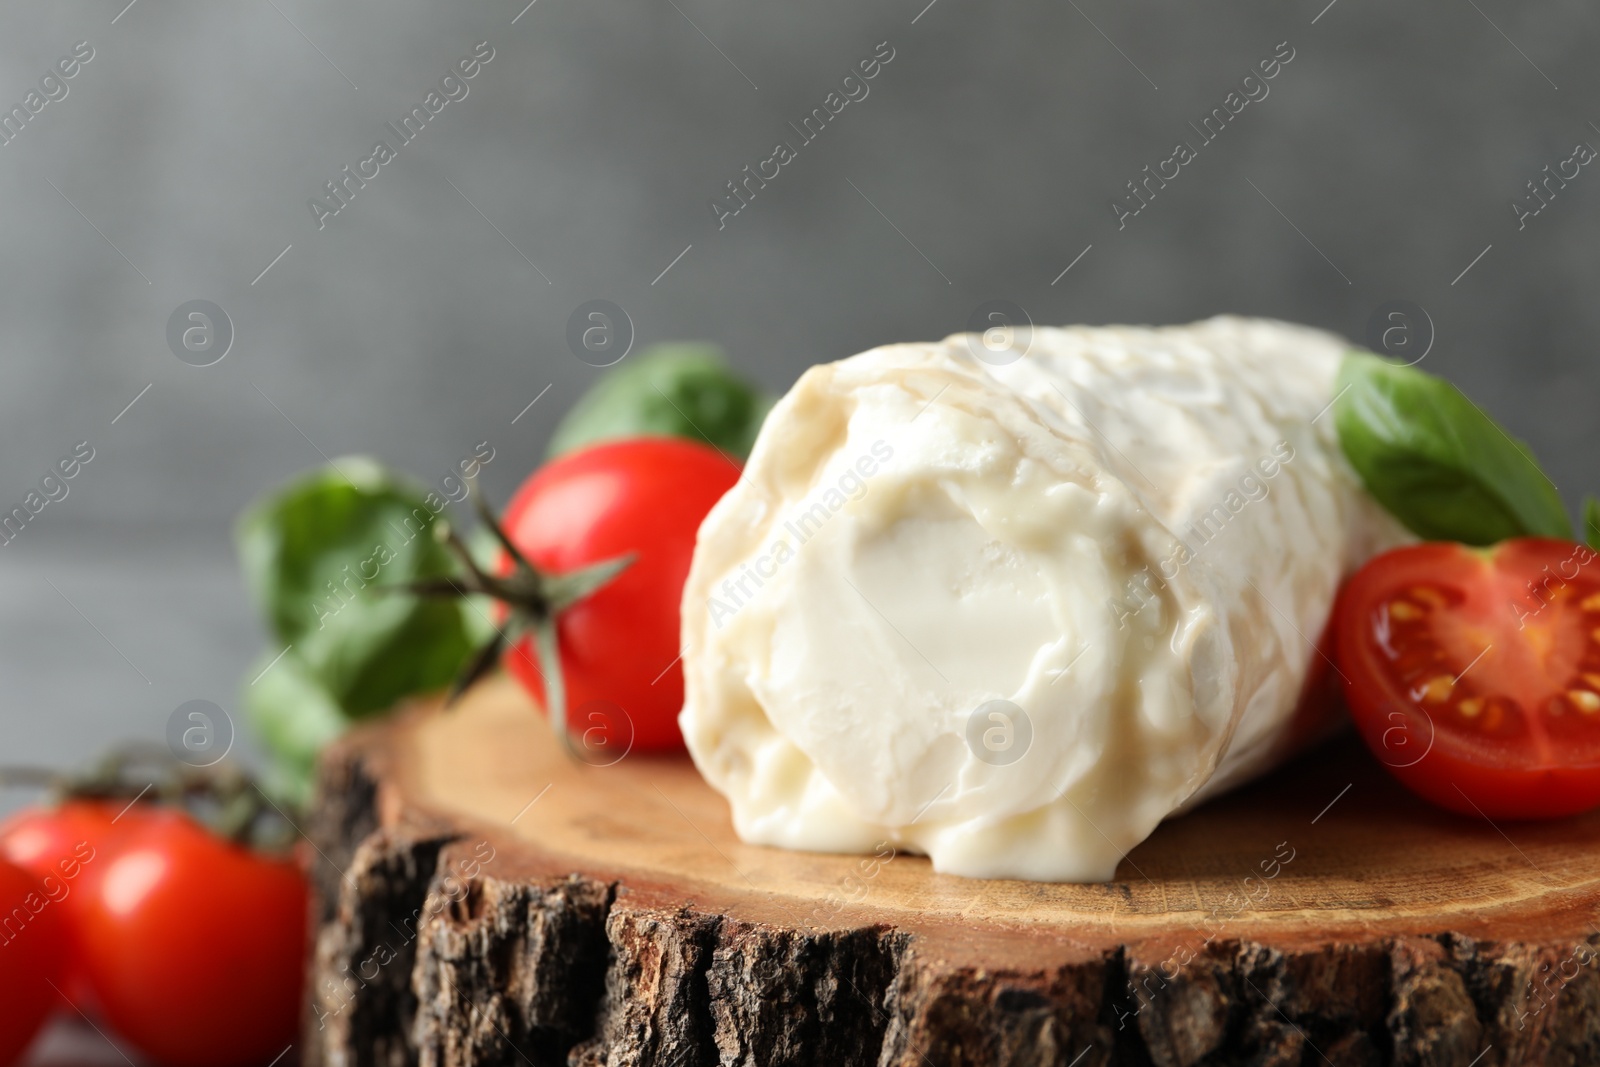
[319,552]
[317,556]
[669,390]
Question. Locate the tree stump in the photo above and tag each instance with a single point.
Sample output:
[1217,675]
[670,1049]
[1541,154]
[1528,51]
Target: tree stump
[485,899]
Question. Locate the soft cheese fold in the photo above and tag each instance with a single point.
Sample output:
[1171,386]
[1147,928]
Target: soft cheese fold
[1011,606]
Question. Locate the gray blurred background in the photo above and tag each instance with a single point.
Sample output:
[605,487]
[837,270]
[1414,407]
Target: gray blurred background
[432,309]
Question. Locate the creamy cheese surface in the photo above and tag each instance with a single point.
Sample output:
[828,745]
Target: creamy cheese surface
[1011,606]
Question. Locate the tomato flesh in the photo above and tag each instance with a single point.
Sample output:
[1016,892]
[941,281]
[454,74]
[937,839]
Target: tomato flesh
[1474,675]
[619,646]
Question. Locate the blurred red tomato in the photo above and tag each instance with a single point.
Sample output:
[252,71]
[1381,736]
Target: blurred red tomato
[196,944]
[33,948]
[64,847]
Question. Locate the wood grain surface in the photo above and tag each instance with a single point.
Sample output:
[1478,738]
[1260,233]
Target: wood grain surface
[489,899]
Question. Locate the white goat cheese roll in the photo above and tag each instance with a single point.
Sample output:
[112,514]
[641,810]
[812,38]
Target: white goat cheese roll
[1013,611]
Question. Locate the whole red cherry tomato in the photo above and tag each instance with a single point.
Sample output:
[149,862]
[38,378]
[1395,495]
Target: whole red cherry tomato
[1474,674]
[619,646]
[195,944]
[33,948]
[65,848]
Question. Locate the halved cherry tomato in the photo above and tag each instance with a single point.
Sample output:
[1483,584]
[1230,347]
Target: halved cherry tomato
[1474,674]
[195,944]
[32,950]
[65,848]
[619,646]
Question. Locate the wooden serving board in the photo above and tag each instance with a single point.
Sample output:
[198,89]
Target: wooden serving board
[486,899]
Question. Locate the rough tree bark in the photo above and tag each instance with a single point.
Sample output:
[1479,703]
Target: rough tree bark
[613,920]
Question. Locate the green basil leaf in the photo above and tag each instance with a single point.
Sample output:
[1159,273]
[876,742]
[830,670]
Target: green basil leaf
[1591,523]
[315,555]
[294,719]
[677,390]
[1436,461]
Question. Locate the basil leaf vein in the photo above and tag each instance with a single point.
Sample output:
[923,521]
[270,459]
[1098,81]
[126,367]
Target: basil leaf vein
[1436,461]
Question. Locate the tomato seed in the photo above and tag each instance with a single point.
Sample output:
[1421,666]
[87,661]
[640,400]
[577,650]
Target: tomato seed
[1438,688]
